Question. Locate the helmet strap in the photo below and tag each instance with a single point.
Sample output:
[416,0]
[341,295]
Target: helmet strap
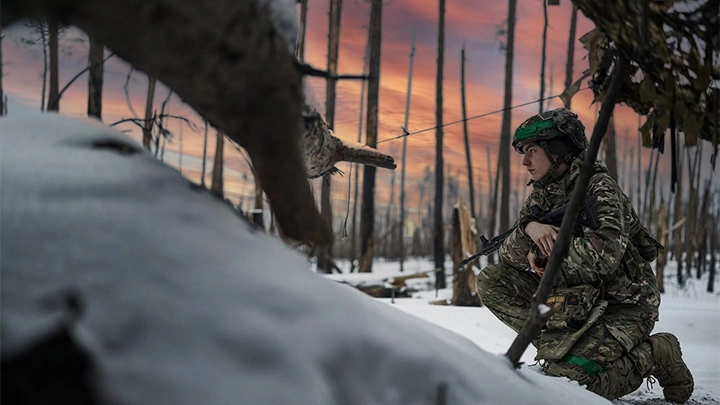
[555,164]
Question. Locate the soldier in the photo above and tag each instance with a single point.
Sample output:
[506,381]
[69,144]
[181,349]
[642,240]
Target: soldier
[606,297]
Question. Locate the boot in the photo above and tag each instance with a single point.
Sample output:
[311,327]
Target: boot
[670,370]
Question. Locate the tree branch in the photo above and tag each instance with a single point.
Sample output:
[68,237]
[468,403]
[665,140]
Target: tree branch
[93,66]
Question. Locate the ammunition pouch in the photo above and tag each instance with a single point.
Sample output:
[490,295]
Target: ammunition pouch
[572,307]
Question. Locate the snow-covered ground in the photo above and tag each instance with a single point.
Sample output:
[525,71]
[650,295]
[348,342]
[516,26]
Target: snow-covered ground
[692,314]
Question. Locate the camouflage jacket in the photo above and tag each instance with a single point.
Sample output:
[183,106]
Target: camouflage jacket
[604,257]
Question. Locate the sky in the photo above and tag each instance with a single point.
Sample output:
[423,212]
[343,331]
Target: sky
[472,24]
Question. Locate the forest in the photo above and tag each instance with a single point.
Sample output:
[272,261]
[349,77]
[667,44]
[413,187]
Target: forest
[384,214]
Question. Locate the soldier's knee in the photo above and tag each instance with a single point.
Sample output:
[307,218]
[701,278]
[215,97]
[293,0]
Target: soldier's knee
[489,277]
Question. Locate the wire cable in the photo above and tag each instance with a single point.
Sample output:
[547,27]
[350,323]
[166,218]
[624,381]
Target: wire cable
[472,118]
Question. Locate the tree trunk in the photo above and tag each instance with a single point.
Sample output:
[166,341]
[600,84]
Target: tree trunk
[571,54]
[438,231]
[148,124]
[258,212]
[631,181]
[204,159]
[692,209]
[2,95]
[390,229]
[677,234]
[610,150]
[325,260]
[303,29]
[507,121]
[479,220]
[43,38]
[464,284]
[651,204]
[661,228]
[367,209]
[53,95]
[714,239]
[404,154]
[468,158]
[353,237]
[703,234]
[493,194]
[216,187]
[542,57]
[95,79]
[639,174]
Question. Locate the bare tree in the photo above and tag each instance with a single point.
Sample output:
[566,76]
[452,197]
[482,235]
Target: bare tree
[570,54]
[702,245]
[300,50]
[610,150]
[39,26]
[438,224]
[661,234]
[468,158]
[504,156]
[404,153]
[258,211]
[692,211]
[2,95]
[95,78]
[324,260]
[204,159]
[53,94]
[353,237]
[217,175]
[147,128]
[677,236]
[367,209]
[714,254]
[493,195]
[542,58]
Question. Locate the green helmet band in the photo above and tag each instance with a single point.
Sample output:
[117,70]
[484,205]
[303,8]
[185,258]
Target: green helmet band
[532,130]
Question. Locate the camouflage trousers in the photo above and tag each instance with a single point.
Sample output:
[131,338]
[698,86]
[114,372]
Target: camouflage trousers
[615,345]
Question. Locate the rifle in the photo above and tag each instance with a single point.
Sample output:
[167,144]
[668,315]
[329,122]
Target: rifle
[586,217]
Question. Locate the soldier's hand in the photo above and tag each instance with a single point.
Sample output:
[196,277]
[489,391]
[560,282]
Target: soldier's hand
[534,263]
[543,235]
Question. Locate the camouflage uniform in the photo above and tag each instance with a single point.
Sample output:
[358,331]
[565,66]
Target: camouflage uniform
[609,354]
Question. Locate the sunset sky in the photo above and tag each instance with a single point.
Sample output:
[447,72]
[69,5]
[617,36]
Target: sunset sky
[473,24]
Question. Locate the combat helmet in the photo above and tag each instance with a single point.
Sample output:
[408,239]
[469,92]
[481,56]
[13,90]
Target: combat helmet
[558,132]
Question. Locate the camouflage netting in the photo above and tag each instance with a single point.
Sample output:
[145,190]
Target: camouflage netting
[674,49]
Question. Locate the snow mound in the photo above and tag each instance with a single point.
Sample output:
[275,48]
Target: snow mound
[176,300]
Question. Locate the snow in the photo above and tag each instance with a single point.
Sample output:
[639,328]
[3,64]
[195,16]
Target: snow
[186,303]
[691,313]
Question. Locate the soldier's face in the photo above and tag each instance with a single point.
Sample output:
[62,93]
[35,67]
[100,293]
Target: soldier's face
[536,161]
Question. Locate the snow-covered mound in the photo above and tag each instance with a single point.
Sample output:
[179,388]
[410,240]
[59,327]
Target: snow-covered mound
[176,300]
